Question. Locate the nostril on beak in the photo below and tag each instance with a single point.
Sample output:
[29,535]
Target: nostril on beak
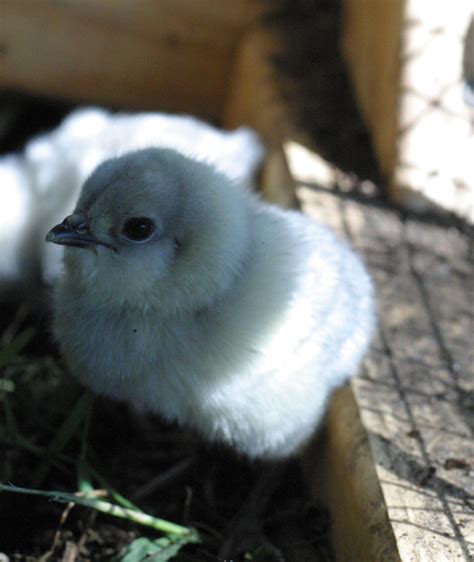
[77,222]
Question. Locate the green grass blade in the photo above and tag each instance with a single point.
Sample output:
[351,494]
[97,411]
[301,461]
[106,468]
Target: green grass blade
[108,508]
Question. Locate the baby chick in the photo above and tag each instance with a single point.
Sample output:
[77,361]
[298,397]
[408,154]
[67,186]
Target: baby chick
[41,184]
[186,295]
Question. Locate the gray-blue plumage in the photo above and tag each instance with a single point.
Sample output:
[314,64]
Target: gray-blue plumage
[185,294]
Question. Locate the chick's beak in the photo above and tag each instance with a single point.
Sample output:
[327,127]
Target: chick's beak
[75,231]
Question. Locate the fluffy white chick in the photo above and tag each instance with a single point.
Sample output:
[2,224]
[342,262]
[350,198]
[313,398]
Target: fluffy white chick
[186,295]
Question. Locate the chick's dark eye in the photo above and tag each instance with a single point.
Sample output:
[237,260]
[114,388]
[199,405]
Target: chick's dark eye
[138,229]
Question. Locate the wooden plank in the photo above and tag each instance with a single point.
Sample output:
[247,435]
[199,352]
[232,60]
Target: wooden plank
[255,99]
[406,60]
[340,471]
[198,22]
[371,46]
[173,56]
[276,182]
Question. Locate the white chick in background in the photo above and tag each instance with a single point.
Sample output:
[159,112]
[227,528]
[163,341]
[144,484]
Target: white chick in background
[186,295]
[39,186]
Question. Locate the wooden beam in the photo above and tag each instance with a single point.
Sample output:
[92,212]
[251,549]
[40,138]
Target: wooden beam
[371,45]
[408,61]
[254,99]
[173,56]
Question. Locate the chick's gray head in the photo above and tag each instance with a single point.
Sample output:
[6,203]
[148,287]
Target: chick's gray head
[154,228]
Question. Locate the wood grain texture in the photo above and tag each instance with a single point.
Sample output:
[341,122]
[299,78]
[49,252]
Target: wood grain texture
[255,99]
[172,56]
[371,46]
[341,473]
[255,94]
